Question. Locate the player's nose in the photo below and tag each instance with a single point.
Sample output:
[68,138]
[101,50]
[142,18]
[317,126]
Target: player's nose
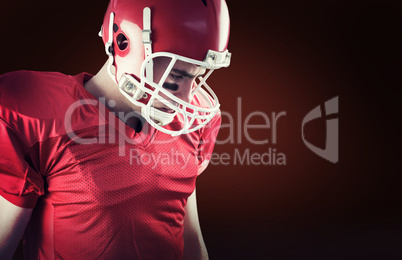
[184,92]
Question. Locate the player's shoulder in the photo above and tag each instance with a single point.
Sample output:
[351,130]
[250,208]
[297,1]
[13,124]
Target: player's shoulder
[37,94]
[25,80]
[35,104]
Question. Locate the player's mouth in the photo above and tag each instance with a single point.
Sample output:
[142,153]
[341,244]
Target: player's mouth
[166,110]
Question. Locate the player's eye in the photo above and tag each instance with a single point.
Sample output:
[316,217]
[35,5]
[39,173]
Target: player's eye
[175,77]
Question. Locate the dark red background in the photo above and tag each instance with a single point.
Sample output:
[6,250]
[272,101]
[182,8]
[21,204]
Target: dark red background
[287,56]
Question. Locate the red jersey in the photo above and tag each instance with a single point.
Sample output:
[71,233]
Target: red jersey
[100,190]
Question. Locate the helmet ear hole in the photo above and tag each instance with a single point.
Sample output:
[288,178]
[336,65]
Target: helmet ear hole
[122,41]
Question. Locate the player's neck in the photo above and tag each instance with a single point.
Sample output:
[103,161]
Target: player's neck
[102,87]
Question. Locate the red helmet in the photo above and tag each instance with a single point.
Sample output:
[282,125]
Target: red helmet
[137,32]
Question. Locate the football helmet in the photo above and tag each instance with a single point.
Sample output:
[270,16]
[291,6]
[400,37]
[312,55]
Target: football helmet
[139,33]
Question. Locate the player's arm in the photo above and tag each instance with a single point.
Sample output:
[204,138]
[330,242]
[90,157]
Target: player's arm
[194,246]
[13,221]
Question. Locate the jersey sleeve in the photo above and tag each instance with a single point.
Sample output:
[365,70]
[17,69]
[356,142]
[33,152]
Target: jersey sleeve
[207,142]
[20,184]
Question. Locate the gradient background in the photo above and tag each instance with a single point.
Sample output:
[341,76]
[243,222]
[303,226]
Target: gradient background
[287,56]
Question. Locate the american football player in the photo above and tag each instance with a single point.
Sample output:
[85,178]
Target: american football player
[104,166]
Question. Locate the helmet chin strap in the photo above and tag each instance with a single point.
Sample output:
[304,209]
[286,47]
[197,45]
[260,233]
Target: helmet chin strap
[146,40]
